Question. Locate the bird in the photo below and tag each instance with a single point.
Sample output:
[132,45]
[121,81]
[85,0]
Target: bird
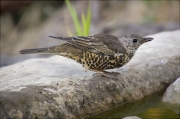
[98,52]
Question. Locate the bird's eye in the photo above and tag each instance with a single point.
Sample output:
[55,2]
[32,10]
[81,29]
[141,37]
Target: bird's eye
[134,40]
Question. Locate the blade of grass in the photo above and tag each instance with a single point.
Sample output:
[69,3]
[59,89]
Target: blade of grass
[75,18]
[88,18]
[85,33]
[83,28]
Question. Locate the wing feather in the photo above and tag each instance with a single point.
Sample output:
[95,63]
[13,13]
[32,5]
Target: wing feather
[99,43]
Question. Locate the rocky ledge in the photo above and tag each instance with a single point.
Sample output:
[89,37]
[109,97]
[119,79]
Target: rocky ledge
[172,94]
[58,87]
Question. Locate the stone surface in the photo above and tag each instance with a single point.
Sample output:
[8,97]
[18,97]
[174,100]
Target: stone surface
[172,94]
[132,117]
[58,87]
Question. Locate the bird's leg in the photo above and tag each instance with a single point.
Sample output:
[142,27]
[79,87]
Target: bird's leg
[104,73]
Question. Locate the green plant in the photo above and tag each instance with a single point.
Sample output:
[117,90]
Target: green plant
[83,28]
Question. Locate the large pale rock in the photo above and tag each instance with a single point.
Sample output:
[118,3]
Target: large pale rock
[172,94]
[132,117]
[57,87]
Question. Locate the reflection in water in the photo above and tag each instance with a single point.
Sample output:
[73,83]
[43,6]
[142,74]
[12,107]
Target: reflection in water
[150,107]
[158,113]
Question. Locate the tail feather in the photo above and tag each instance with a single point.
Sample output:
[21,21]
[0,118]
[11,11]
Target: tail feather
[63,50]
[31,51]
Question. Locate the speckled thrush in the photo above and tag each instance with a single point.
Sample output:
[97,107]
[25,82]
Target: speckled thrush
[98,52]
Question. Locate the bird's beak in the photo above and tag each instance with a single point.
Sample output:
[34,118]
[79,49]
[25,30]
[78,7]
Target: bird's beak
[147,39]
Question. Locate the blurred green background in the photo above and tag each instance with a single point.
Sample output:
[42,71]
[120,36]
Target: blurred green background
[27,24]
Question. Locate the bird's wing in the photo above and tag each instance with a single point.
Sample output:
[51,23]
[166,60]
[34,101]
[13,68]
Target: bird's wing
[99,43]
[110,43]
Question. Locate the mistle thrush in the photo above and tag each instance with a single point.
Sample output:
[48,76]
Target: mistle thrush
[98,52]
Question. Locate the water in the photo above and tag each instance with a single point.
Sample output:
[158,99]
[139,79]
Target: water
[150,107]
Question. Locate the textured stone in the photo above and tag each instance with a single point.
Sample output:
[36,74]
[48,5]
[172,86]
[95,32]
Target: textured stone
[57,87]
[132,117]
[172,94]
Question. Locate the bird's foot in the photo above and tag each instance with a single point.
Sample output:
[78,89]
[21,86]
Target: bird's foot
[111,75]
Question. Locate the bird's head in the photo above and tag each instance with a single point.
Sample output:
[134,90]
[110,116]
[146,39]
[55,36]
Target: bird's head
[133,42]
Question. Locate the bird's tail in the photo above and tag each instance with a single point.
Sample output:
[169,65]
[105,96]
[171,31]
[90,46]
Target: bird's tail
[63,50]
[31,51]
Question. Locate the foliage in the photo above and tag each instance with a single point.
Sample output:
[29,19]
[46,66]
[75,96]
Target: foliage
[83,28]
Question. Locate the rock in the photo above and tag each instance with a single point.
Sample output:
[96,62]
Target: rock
[172,94]
[58,87]
[132,117]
